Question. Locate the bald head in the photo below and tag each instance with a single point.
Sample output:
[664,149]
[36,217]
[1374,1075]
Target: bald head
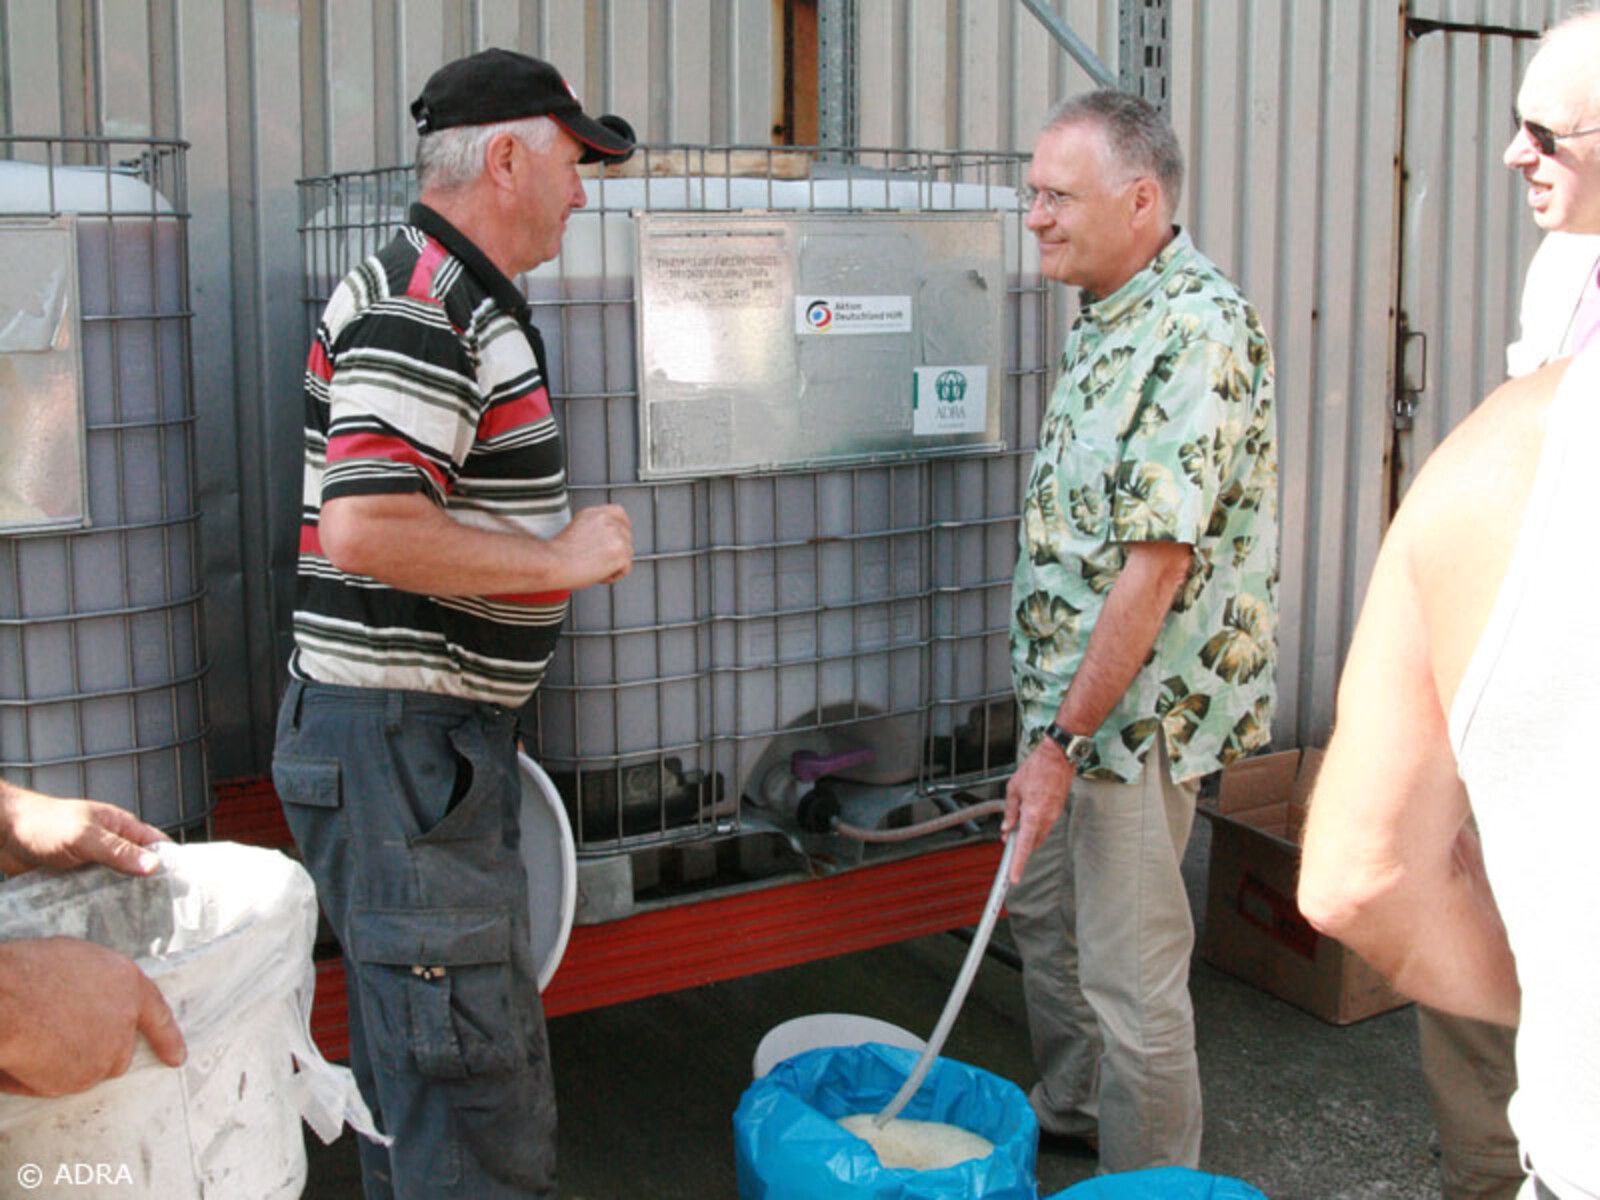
[1559,105]
[1568,51]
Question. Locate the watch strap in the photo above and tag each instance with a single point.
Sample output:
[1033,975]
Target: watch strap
[1076,746]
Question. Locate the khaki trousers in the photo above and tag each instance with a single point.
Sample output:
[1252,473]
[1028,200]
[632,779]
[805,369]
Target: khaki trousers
[1102,922]
[1470,1071]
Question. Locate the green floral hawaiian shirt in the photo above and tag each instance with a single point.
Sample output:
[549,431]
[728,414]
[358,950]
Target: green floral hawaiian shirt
[1160,428]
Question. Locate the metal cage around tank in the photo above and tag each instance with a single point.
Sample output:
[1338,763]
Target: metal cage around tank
[820,608]
[102,656]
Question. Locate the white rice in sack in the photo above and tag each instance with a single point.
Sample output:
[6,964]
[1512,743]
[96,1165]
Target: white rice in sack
[920,1145]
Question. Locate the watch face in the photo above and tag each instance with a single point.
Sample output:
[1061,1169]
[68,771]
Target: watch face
[1076,746]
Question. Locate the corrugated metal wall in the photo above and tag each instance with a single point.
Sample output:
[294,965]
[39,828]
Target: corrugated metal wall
[1290,111]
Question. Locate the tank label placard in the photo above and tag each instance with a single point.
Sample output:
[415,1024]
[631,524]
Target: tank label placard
[832,315]
[949,400]
[736,273]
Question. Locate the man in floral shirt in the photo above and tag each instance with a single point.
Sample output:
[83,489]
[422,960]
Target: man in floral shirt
[1144,627]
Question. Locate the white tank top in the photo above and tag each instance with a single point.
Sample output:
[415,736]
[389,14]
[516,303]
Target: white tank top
[1521,726]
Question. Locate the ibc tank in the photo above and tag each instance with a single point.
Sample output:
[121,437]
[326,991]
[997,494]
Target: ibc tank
[101,651]
[768,612]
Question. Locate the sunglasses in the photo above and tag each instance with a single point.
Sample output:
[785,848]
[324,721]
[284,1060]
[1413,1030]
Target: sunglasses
[1544,138]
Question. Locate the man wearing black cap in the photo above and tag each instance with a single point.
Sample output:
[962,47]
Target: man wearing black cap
[437,553]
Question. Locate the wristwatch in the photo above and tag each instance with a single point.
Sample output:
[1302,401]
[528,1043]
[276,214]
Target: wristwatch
[1076,746]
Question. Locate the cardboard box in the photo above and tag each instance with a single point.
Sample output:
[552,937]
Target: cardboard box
[1253,926]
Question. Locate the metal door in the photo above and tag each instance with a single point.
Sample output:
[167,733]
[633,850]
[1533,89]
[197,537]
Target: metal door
[1466,235]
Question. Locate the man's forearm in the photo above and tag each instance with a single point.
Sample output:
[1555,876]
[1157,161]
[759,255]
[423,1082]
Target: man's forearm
[1124,633]
[1386,866]
[1435,931]
[408,543]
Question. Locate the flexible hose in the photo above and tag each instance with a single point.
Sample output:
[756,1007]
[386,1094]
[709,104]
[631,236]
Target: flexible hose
[958,994]
[988,808]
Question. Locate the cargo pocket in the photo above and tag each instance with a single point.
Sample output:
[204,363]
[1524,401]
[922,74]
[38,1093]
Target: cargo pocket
[482,782]
[310,791]
[437,989]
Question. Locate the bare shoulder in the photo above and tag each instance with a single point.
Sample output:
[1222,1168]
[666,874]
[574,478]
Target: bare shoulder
[1496,447]
[1460,520]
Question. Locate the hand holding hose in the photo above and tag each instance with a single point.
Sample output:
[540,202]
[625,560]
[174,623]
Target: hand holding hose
[1036,796]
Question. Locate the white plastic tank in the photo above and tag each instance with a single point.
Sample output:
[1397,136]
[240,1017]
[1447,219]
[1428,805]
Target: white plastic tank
[101,654]
[770,611]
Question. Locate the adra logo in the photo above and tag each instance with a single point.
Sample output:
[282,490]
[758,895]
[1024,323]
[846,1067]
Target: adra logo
[951,386]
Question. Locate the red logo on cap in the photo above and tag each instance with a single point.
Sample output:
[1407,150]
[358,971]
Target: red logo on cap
[572,93]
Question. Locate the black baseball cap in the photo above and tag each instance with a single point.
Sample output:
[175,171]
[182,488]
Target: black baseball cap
[502,85]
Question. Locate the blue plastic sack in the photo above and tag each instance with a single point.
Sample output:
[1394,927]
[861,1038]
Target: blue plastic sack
[788,1145]
[1161,1183]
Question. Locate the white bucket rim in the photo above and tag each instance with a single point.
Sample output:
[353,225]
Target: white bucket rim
[816,1030]
[550,859]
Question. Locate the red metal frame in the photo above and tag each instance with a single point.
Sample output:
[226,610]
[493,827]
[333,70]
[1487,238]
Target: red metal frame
[697,942]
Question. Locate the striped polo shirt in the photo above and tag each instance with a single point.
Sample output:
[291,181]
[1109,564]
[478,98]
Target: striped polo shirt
[426,376]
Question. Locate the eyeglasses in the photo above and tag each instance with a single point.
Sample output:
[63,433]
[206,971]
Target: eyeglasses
[1544,138]
[1049,197]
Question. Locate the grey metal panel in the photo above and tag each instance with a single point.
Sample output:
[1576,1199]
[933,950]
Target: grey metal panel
[880,67]
[629,60]
[352,90]
[1288,115]
[165,75]
[389,97]
[239,701]
[1467,233]
[979,89]
[124,70]
[274,271]
[421,53]
[499,24]
[928,75]
[690,81]
[32,67]
[567,37]
[78,39]
[1515,14]
[749,56]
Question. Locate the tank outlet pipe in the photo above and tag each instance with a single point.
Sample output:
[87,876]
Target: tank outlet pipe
[781,787]
[960,816]
[958,994]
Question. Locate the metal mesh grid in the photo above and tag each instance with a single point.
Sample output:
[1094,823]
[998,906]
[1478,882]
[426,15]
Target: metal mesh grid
[767,612]
[102,655]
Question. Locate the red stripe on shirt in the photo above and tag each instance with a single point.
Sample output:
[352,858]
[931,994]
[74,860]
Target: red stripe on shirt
[421,285]
[391,449]
[317,362]
[311,541]
[515,413]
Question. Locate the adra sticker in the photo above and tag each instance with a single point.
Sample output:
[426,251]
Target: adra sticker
[949,400]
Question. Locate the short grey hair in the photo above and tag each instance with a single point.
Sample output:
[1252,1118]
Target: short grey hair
[453,157]
[1138,136]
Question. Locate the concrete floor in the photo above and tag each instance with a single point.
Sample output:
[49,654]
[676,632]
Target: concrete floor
[1301,1109]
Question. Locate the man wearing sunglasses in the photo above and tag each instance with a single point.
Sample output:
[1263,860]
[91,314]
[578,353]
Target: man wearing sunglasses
[1469,1066]
[1556,147]
[1144,628]
[1460,655]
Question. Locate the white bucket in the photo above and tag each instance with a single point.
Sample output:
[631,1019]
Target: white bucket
[225,931]
[827,1029]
